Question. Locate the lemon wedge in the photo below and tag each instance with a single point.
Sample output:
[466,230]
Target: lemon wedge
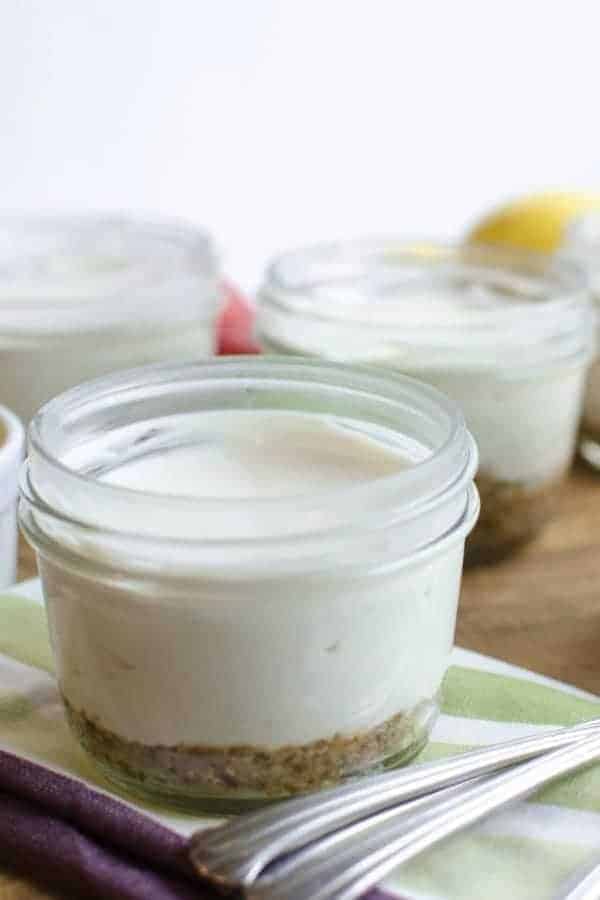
[536,222]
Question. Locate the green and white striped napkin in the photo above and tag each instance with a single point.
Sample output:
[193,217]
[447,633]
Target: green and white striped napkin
[524,853]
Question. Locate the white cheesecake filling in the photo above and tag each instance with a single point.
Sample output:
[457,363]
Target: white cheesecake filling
[80,298]
[243,455]
[34,370]
[525,428]
[267,660]
[524,422]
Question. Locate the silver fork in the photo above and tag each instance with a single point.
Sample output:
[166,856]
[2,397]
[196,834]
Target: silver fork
[233,855]
[354,862]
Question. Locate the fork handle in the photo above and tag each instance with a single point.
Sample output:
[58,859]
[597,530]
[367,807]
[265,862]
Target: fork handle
[358,866]
[236,853]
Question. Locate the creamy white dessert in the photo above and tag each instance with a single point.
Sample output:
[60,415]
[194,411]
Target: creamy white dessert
[251,570]
[524,423]
[264,661]
[525,427]
[81,357]
[508,341]
[82,297]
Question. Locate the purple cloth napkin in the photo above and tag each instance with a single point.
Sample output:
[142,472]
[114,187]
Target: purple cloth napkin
[68,835]
[65,833]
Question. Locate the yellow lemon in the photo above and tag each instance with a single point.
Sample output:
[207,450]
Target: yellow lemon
[536,222]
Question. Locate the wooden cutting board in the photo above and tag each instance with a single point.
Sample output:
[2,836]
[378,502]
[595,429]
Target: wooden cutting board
[541,609]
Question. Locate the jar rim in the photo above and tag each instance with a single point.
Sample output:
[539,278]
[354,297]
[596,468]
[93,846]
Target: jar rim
[350,283]
[439,481]
[62,272]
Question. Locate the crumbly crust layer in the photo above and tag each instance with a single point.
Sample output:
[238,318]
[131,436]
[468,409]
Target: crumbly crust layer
[243,770]
[512,514]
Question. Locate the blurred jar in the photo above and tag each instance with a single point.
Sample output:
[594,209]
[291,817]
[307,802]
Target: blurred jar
[82,296]
[506,334]
[581,246]
[12,443]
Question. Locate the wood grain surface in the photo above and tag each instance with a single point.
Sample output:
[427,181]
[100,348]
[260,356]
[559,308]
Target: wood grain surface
[540,610]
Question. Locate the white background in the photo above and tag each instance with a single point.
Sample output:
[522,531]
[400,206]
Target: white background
[276,123]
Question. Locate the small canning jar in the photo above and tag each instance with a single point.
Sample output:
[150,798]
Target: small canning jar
[581,245]
[84,296]
[217,651]
[506,334]
[12,446]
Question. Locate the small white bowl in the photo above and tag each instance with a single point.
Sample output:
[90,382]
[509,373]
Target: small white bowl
[12,444]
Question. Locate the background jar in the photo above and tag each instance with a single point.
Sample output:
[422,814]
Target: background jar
[12,445]
[506,334]
[218,652]
[84,296]
[581,245]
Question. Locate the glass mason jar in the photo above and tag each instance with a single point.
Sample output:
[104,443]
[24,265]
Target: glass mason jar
[84,296]
[581,245]
[505,334]
[218,651]
[12,445]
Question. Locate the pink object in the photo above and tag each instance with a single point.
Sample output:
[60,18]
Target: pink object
[236,324]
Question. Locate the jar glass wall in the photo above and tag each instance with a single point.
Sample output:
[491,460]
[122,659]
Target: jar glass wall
[219,650]
[84,296]
[12,446]
[507,335]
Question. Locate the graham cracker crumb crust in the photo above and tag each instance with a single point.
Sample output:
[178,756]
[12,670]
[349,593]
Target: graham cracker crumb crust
[269,772]
[511,515]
